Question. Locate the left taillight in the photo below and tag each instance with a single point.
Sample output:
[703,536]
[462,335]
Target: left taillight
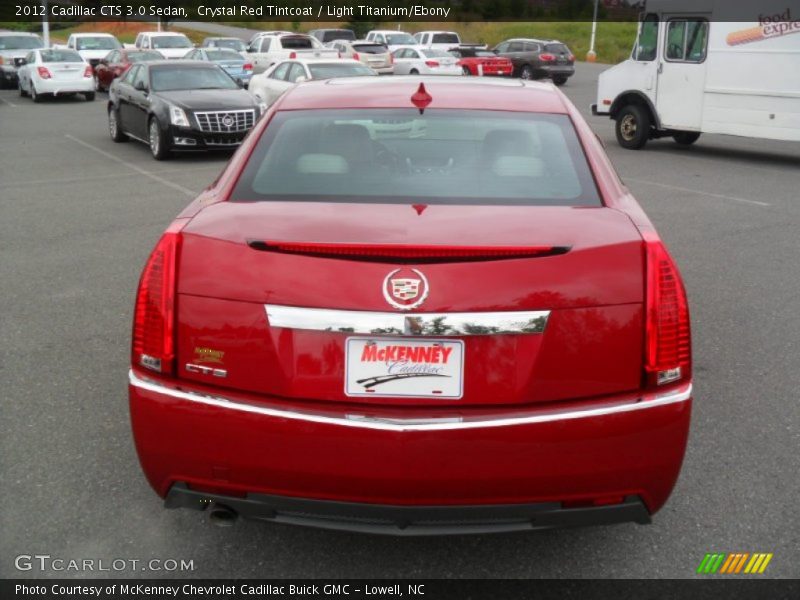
[88,72]
[432,63]
[44,73]
[547,57]
[668,352]
[154,314]
[247,66]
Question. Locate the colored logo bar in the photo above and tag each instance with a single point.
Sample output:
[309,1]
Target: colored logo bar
[734,563]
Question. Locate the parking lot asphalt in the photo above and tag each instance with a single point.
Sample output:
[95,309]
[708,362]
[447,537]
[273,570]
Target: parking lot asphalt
[78,216]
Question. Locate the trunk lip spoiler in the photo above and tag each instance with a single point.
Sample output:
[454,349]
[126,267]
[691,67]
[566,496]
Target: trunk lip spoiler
[407,324]
[629,403]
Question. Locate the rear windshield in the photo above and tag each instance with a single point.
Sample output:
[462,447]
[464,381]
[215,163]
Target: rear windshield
[330,70]
[171,41]
[232,44]
[224,55]
[400,39]
[297,43]
[400,156]
[338,34]
[168,78]
[60,56]
[556,48]
[445,38]
[97,43]
[20,42]
[436,53]
[144,56]
[371,48]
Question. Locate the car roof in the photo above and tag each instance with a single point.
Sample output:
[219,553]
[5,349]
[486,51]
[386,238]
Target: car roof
[437,31]
[189,64]
[90,34]
[446,92]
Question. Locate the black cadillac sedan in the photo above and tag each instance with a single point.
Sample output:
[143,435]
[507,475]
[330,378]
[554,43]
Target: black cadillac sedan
[180,105]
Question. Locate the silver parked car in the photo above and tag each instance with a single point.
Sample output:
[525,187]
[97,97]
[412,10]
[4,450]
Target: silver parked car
[14,46]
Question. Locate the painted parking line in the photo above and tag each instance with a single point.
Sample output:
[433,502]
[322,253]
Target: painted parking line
[94,177]
[7,102]
[130,165]
[678,188]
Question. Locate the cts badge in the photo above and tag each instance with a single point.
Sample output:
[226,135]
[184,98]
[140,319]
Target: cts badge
[405,288]
[203,370]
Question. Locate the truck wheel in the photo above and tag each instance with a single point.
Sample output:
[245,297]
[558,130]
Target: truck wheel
[686,138]
[633,127]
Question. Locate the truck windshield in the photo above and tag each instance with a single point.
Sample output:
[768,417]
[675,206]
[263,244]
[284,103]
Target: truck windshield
[398,155]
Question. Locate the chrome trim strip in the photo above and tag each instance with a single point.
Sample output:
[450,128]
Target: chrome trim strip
[417,424]
[388,323]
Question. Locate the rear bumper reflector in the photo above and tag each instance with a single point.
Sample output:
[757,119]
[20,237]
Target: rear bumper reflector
[411,520]
[365,421]
[415,324]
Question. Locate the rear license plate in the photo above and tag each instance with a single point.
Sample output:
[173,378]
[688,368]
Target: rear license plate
[404,368]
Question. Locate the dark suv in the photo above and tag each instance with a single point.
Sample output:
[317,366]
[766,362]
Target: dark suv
[538,59]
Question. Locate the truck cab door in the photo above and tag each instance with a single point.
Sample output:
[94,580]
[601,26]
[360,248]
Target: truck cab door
[682,72]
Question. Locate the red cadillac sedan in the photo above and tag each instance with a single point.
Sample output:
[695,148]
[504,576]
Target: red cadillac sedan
[414,306]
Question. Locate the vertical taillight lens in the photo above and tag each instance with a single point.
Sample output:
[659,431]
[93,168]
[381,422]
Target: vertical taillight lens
[88,71]
[44,73]
[668,353]
[154,315]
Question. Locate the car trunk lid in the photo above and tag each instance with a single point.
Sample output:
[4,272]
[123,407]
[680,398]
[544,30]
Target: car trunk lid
[579,268]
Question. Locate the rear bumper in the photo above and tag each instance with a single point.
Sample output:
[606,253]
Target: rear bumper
[48,86]
[557,71]
[239,446]
[410,520]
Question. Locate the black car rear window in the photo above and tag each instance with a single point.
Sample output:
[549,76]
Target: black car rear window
[338,34]
[399,155]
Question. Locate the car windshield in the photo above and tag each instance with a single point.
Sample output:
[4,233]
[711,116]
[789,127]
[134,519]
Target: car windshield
[169,78]
[224,55]
[236,45]
[400,39]
[436,53]
[330,70]
[445,38]
[171,41]
[144,56]
[97,43]
[20,42]
[60,56]
[399,155]
[370,48]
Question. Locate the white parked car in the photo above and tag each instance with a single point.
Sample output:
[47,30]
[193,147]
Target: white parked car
[168,43]
[270,49]
[443,40]
[374,55]
[269,85]
[93,47]
[425,61]
[55,72]
[391,39]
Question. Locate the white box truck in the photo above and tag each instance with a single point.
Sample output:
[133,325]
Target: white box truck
[707,66]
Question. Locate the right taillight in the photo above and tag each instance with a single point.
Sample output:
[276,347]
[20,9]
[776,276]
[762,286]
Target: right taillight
[668,350]
[154,315]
